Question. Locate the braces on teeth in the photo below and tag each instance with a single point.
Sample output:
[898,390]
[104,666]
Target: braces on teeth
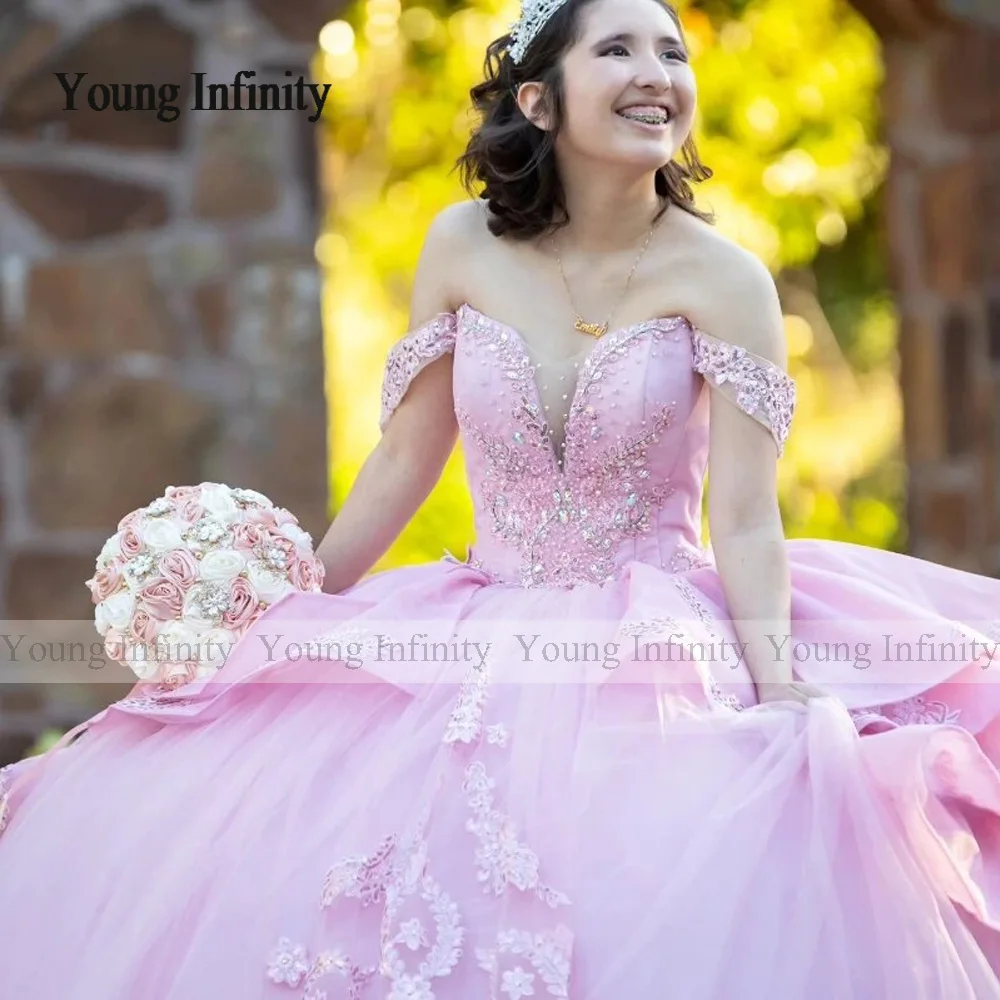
[649,119]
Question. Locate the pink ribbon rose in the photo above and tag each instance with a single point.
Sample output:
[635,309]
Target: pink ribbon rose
[243,604]
[162,599]
[105,582]
[180,567]
[114,645]
[175,675]
[130,542]
[306,574]
[143,627]
[129,520]
[246,537]
[181,493]
[264,516]
[190,510]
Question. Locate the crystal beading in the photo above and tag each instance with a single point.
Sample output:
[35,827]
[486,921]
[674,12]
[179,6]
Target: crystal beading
[535,15]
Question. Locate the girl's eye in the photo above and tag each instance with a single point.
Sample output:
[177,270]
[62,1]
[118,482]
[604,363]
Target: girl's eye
[671,53]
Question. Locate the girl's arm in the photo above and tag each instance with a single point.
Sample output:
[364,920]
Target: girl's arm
[744,518]
[416,442]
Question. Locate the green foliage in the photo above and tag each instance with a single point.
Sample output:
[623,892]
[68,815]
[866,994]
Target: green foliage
[46,740]
[788,122]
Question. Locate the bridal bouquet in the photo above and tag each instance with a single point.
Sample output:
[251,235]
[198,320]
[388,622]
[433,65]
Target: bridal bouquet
[183,578]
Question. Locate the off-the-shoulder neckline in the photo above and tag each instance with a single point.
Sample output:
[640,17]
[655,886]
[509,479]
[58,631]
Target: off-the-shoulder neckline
[612,341]
[611,337]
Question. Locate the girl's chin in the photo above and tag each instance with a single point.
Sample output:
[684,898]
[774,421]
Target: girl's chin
[647,137]
[642,149]
[648,154]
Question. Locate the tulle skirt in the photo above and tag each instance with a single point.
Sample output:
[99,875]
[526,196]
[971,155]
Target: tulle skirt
[295,829]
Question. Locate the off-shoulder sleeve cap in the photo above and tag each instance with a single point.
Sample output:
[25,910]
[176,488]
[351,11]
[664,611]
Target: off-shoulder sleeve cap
[411,354]
[758,386]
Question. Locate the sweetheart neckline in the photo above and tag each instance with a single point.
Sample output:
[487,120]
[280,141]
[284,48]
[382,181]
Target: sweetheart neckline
[590,360]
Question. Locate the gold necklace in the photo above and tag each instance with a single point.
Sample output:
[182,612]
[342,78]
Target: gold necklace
[599,329]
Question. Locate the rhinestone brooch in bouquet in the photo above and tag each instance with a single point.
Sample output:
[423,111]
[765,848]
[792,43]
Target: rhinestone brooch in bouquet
[184,578]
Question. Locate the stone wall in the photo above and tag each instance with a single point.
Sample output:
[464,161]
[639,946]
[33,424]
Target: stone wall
[159,300]
[942,120]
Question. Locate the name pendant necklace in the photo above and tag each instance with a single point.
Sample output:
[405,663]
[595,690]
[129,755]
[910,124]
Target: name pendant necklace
[599,329]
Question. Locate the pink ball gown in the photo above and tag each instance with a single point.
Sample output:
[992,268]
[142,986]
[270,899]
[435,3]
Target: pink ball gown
[506,827]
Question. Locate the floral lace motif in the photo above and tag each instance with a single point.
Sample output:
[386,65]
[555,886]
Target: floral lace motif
[501,860]
[5,796]
[687,557]
[918,711]
[497,735]
[466,722]
[397,871]
[662,626]
[666,627]
[346,643]
[759,388]
[152,703]
[915,711]
[548,954]
[409,355]
[289,965]
[695,603]
[720,697]
[442,954]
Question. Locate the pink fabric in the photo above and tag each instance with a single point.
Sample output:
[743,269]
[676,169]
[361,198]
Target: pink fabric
[309,829]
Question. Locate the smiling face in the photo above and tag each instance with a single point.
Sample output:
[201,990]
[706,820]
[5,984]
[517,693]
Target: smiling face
[629,55]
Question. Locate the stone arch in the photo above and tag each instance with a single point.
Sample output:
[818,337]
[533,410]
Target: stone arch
[941,108]
[159,298]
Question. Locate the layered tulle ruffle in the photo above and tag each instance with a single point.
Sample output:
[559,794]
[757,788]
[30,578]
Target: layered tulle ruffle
[301,829]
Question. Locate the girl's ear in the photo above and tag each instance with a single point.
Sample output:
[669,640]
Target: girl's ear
[530,97]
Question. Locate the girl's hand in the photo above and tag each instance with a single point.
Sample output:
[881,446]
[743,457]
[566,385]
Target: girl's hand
[797,691]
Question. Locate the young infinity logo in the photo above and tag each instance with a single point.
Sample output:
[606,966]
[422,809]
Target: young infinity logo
[297,95]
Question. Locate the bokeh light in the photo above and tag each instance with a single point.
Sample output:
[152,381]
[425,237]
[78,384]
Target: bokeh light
[788,121]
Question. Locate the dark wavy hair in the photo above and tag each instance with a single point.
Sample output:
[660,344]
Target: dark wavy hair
[515,161]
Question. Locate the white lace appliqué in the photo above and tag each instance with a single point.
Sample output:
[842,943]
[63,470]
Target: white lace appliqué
[290,965]
[501,859]
[547,953]
[519,963]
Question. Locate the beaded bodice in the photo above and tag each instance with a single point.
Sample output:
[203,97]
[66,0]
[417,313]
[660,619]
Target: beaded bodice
[578,466]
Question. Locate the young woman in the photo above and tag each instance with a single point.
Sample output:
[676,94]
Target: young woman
[789,797]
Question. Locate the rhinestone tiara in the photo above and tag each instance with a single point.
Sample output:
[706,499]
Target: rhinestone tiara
[534,16]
